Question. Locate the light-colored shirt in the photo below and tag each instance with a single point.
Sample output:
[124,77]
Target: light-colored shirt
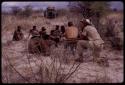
[92,34]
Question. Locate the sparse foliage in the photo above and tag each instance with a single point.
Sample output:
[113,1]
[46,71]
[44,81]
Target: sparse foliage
[16,10]
[27,11]
[52,70]
[22,12]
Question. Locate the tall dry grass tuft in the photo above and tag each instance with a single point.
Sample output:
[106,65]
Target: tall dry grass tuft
[40,69]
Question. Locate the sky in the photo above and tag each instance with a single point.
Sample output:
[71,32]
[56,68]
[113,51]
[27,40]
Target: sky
[117,4]
[36,5]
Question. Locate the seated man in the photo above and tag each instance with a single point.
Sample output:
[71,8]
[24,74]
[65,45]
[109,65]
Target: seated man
[71,34]
[18,35]
[43,34]
[57,31]
[34,32]
[55,35]
[62,29]
[38,44]
[34,43]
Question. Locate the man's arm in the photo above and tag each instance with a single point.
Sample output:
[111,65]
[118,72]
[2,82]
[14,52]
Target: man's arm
[83,35]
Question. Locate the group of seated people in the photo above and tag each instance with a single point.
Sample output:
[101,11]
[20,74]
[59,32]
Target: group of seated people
[55,35]
[69,36]
[18,34]
[79,39]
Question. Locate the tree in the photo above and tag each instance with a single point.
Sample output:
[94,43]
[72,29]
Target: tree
[89,9]
[92,10]
[16,10]
[27,11]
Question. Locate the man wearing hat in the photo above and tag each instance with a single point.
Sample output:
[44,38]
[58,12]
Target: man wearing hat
[91,40]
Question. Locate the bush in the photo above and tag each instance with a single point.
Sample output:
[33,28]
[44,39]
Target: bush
[16,10]
[20,12]
[27,11]
[40,69]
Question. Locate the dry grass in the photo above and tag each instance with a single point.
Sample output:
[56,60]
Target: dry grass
[39,68]
[18,66]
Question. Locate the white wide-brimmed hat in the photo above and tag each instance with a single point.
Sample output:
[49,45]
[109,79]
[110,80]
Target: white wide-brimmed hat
[86,20]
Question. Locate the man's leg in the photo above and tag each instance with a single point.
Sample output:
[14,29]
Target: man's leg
[97,50]
[82,45]
[99,58]
[74,48]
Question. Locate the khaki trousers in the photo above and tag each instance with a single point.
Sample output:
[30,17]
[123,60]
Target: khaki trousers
[82,45]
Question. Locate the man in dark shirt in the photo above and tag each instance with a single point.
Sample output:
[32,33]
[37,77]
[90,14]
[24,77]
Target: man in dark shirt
[55,35]
[43,34]
[18,35]
[34,32]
